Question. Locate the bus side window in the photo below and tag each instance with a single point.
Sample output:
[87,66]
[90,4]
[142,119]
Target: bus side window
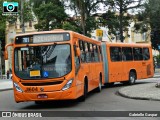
[82,48]
[89,52]
[92,53]
[127,52]
[96,53]
[137,53]
[87,58]
[115,53]
[77,64]
[146,55]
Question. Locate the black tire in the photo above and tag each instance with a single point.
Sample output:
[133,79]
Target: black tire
[132,78]
[83,98]
[99,88]
[109,84]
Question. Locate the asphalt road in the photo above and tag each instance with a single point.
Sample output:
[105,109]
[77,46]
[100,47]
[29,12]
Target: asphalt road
[107,100]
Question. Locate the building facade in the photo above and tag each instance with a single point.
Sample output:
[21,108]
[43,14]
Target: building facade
[11,31]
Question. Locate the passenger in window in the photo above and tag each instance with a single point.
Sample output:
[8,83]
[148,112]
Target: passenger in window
[137,55]
[145,54]
[82,56]
[123,56]
[117,56]
[129,56]
[86,55]
[92,54]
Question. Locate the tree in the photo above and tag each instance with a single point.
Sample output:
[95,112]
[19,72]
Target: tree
[150,20]
[50,14]
[85,9]
[12,19]
[122,6]
[2,26]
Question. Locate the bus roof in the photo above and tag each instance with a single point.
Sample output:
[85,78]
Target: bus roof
[128,44]
[45,32]
[75,34]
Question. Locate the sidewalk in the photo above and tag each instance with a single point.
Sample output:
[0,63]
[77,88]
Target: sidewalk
[146,91]
[6,84]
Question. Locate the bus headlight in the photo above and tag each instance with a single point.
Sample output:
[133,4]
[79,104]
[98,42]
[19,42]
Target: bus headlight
[68,85]
[17,87]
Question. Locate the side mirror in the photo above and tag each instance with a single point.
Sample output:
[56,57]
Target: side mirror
[78,52]
[6,52]
[6,55]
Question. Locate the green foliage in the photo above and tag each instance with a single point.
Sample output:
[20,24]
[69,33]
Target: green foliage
[90,25]
[158,60]
[12,18]
[110,19]
[150,19]
[50,15]
[155,36]
[27,13]
[69,26]
[2,26]
[84,10]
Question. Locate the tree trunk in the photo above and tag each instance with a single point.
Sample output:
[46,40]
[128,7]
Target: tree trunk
[83,20]
[120,21]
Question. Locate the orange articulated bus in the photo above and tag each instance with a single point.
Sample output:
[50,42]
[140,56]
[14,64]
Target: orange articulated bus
[55,65]
[124,62]
[63,65]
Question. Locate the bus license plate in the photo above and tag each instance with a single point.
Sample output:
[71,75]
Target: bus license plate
[41,96]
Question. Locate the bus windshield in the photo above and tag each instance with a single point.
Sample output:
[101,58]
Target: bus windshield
[42,61]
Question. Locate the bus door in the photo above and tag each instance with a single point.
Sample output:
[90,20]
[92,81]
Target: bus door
[115,64]
[85,60]
[146,64]
[78,75]
[91,66]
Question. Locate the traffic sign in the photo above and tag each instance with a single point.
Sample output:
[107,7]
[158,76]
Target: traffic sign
[45,74]
[99,32]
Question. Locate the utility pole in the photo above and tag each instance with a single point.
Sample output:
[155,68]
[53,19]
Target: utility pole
[22,18]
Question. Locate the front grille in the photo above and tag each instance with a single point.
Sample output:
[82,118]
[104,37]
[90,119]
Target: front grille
[42,84]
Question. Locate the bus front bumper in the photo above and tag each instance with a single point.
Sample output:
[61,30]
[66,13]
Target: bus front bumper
[55,95]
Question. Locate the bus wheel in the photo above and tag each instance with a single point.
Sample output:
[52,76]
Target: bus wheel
[132,78]
[99,88]
[83,98]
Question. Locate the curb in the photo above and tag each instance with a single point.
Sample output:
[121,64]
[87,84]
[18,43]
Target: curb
[156,76]
[6,89]
[136,98]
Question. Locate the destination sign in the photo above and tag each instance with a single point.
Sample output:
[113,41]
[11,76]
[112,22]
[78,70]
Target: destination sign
[42,38]
[50,38]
